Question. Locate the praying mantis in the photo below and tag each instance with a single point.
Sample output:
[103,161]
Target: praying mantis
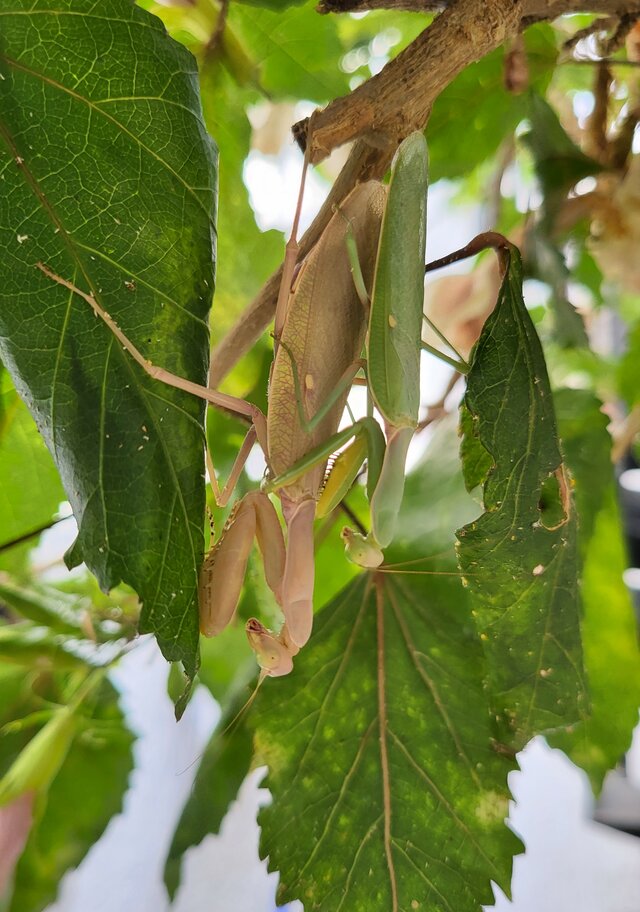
[360,287]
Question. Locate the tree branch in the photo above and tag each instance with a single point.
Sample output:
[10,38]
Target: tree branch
[539,10]
[386,108]
[533,10]
[356,6]
[398,100]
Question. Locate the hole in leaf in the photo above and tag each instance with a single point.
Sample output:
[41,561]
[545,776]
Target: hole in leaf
[477,462]
[554,500]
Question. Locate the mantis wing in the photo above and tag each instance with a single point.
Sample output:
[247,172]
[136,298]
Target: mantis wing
[396,325]
[396,306]
[323,336]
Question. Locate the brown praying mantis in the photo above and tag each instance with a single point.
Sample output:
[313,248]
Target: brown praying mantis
[361,286]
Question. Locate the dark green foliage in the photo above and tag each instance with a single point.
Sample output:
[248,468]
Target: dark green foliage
[559,163]
[30,492]
[519,557]
[109,179]
[609,633]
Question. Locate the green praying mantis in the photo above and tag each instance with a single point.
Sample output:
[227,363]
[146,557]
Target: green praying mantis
[360,289]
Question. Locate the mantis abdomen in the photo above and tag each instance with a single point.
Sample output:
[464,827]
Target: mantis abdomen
[323,335]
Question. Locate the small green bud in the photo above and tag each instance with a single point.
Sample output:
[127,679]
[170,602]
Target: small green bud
[37,764]
[365,552]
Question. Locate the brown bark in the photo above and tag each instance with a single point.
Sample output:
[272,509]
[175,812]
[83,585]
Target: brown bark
[354,6]
[551,9]
[533,10]
[398,100]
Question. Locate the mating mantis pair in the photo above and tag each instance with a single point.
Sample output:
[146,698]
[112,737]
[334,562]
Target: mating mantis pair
[375,241]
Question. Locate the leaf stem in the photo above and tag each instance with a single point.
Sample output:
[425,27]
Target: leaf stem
[480,242]
[5,546]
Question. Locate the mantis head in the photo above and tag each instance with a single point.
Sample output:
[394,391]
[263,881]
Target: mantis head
[274,653]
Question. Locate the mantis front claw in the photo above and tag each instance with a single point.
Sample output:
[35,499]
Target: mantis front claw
[289,574]
[298,578]
[224,567]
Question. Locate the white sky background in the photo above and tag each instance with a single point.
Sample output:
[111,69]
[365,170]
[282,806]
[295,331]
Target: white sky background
[571,865]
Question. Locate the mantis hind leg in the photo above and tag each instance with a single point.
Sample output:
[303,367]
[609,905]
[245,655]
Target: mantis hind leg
[222,496]
[224,401]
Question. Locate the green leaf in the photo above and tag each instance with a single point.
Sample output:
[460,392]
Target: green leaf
[110,178]
[43,605]
[379,744]
[30,493]
[559,162]
[629,368]
[294,48]
[550,267]
[37,647]
[610,638]
[225,763]
[84,796]
[519,556]
[608,628]
[383,777]
[586,445]
[476,113]
[247,255]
